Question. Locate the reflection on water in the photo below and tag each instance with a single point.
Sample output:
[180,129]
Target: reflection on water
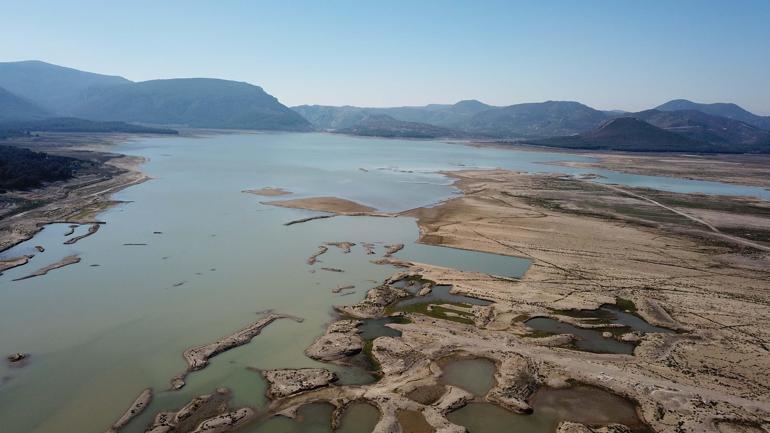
[98,335]
[582,404]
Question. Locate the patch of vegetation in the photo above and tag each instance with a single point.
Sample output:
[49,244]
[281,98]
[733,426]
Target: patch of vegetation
[625,304]
[72,124]
[24,169]
[430,309]
[751,233]
[369,354]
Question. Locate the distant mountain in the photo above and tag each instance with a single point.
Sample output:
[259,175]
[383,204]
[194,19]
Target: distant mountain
[194,102]
[700,126]
[731,111]
[13,108]
[55,88]
[380,125]
[329,118]
[629,134]
[446,115]
[544,119]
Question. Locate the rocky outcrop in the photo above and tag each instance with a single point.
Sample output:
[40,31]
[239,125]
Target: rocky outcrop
[314,258]
[515,382]
[375,302]
[207,413]
[393,249]
[286,382]
[198,357]
[573,427]
[12,263]
[17,358]
[454,398]
[340,342]
[69,260]
[137,407]
[344,246]
[93,228]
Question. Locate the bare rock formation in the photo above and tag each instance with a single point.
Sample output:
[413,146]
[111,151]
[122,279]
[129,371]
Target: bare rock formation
[286,382]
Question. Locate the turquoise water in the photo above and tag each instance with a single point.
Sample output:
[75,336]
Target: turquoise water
[98,335]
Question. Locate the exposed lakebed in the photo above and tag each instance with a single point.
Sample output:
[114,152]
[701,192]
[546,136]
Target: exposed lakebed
[99,335]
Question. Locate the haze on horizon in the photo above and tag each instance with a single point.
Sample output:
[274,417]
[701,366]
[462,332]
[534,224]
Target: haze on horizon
[610,55]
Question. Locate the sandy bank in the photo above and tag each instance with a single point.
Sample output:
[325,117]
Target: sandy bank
[334,205]
[267,191]
[69,260]
[198,357]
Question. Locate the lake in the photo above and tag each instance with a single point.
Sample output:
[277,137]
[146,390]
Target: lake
[212,257]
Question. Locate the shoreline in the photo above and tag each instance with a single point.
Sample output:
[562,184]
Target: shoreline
[78,200]
[688,166]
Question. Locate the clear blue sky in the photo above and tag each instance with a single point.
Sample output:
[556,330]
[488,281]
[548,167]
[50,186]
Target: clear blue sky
[609,54]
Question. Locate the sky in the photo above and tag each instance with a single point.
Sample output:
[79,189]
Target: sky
[609,54]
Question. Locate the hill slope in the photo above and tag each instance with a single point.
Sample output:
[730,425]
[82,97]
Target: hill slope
[731,111]
[13,107]
[55,88]
[380,125]
[199,102]
[196,102]
[704,127]
[445,115]
[629,134]
[19,128]
[543,119]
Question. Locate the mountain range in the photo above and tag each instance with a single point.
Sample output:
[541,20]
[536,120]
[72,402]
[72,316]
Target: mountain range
[38,91]
[192,102]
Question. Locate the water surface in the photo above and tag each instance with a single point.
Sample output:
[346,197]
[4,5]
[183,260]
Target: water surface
[582,404]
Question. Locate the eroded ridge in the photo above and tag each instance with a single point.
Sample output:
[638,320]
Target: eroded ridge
[198,357]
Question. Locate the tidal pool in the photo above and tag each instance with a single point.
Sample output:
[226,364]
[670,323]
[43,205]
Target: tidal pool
[582,404]
[207,257]
[475,375]
[440,294]
[359,417]
[373,328]
[589,340]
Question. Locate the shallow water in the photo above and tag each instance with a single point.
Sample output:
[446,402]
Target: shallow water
[358,418]
[373,328]
[98,335]
[589,340]
[581,404]
[464,260]
[438,294]
[475,375]
[311,418]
